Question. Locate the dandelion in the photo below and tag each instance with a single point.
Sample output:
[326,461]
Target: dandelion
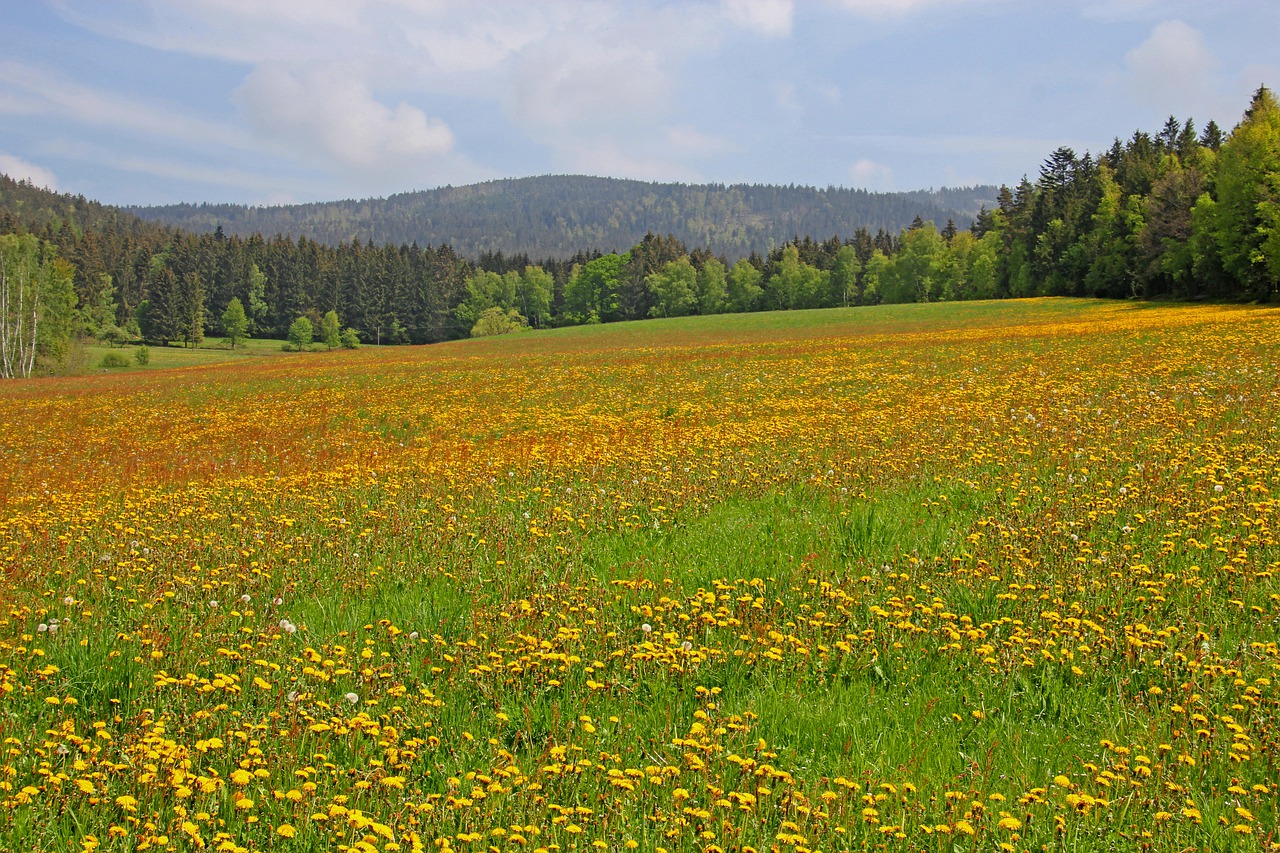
[351,698]
[287,626]
[646,628]
[213,604]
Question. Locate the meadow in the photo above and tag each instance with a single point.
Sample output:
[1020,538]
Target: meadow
[967,576]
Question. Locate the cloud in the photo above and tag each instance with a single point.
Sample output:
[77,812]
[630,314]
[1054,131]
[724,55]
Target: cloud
[608,156]
[898,8]
[33,90]
[871,175]
[685,140]
[24,170]
[1173,69]
[766,17]
[563,87]
[329,114]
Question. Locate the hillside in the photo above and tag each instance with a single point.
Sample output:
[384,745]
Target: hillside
[31,208]
[999,572]
[558,216]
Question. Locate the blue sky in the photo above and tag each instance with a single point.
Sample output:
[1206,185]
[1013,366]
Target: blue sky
[275,101]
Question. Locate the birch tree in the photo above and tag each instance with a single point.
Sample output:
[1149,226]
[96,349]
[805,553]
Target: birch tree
[37,301]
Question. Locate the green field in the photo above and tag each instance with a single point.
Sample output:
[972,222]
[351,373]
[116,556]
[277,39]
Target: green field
[957,577]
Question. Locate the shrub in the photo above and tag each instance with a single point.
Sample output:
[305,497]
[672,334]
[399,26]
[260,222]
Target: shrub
[142,355]
[113,359]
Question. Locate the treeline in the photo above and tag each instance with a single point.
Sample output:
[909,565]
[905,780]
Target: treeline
[558,215]
[1176,214]
[1183,213]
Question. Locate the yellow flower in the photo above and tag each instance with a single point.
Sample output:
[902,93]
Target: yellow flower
[285,830]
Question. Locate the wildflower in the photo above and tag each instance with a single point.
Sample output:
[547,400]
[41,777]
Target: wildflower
[285,830]
[351,697]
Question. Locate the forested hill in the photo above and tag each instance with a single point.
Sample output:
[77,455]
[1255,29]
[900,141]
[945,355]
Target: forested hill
[558,216]
[31,208]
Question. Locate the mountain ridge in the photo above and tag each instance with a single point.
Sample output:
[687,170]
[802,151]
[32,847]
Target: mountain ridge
[561,215]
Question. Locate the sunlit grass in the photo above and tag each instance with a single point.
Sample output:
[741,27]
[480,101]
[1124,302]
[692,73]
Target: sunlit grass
[964,576]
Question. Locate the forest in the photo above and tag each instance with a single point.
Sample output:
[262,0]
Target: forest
[559,215]
[1184,213]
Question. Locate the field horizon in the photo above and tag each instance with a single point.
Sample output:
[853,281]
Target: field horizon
[950,576]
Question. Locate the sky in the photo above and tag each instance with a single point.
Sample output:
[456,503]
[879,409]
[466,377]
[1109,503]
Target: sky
[281,101]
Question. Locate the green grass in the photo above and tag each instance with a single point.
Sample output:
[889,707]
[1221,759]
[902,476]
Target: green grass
[89,357]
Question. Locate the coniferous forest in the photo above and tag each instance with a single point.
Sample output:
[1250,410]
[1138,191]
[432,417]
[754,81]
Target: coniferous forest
[1184,213]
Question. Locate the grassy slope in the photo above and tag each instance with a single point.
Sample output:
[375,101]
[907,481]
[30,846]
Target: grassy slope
[861,493]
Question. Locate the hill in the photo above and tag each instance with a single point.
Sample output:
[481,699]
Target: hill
[30,208]
[558,216]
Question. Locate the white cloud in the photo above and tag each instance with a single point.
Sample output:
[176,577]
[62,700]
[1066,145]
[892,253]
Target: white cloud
[329,114]
[871,175]
[1173,70]
[24,170]
[685,140]
[766,17]
[580,85]
[898,8]
[607,156]
[34,90]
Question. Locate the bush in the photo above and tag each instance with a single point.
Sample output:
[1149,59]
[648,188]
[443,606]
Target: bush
[495,321]
[113,359]
[142,355]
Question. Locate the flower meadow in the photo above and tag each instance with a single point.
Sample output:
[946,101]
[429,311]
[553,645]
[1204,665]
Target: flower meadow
[979,576]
